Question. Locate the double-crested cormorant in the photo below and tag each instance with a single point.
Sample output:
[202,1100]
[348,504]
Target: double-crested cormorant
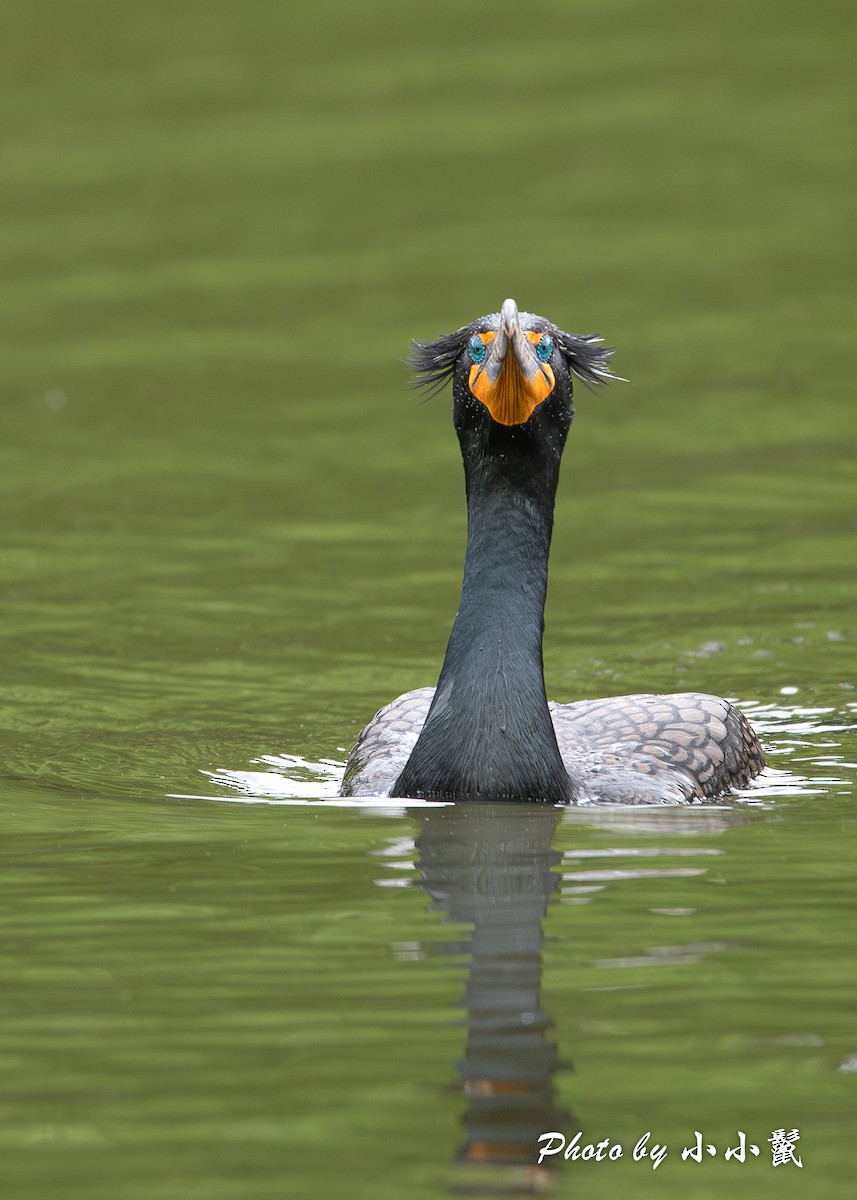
[487,732]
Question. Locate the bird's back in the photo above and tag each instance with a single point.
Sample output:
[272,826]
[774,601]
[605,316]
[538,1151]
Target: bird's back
[642,749]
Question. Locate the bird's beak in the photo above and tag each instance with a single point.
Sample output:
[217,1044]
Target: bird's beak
[511,386]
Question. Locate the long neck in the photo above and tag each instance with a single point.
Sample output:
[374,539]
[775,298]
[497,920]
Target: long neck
[488,734]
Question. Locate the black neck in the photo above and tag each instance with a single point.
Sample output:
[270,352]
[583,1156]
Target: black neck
[488,734]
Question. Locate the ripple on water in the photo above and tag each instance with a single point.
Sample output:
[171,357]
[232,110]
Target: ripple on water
[805,749]
[805,741]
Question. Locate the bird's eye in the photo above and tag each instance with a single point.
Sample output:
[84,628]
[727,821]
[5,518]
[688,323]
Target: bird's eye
[545,347]
[476,347]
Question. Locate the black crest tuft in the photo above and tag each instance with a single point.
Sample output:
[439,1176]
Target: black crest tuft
[587,358]
[434,362]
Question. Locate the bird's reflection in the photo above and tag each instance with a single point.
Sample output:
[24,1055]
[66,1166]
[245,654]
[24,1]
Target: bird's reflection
[492,867]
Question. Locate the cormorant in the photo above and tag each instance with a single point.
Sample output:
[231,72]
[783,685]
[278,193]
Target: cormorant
[487,731]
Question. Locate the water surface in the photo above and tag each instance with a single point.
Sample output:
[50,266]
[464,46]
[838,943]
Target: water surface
[229,535]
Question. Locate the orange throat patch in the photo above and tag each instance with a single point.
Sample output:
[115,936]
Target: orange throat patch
[513,399]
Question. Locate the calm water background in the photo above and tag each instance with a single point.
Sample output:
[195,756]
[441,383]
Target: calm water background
[229,535]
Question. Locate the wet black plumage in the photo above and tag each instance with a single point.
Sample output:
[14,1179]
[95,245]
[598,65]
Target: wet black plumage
[487,731]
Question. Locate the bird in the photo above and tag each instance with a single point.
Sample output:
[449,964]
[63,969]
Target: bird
[487,732]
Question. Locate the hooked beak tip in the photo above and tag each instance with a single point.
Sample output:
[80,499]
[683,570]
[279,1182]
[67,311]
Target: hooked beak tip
[509,317]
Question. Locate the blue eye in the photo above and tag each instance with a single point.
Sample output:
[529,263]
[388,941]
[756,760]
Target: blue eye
[545,347]
[477,349]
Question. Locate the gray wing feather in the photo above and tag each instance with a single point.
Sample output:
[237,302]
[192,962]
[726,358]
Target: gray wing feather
[651,749]
[378,757]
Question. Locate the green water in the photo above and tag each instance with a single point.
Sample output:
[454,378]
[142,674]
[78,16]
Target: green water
[228,535]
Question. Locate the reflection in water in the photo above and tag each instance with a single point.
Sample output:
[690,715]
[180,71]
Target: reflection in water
[492,867]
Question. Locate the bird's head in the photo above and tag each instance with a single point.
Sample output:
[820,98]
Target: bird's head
[505,366]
